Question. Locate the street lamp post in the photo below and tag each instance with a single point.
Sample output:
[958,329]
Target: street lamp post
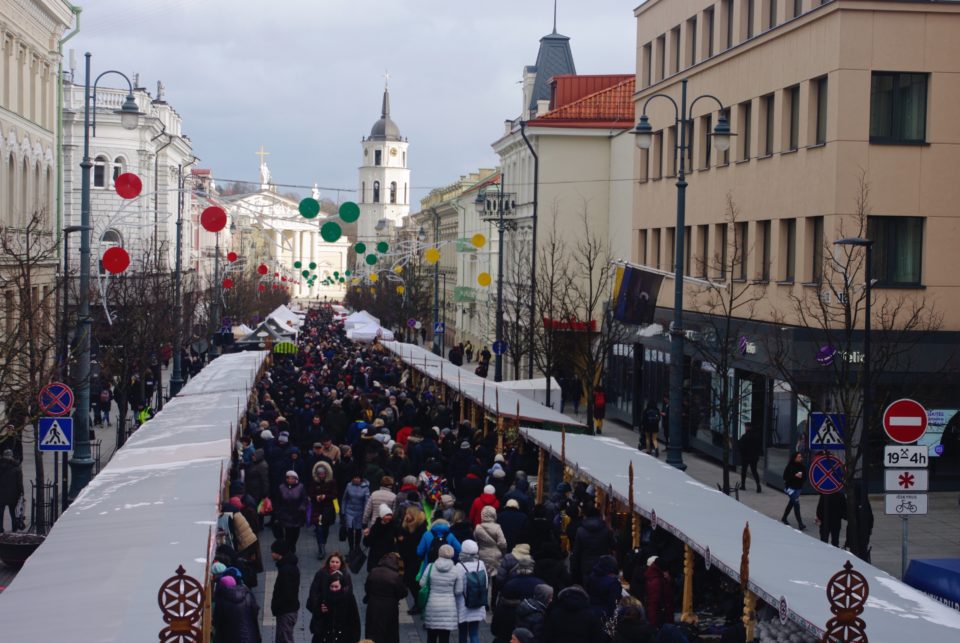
[437,349]
[721,139]
[494,209]
[81,463]
[217,292]
[176,376]
[533,255]
[863,502]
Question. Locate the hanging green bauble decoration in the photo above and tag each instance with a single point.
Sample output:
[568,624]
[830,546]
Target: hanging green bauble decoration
[360,248]
[349,212]
[382,247]
[309,208]
[313,265]
[330,231]
[297,264]
[371,259]
[305,273]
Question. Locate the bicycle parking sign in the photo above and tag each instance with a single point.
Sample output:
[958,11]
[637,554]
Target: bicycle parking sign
[906,504]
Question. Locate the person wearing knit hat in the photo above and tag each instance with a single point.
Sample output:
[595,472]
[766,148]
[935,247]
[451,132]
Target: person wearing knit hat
[290,509]
[522,635]
[385,511]
[440,613]
[499,458]
[266,434]
[383,536]
[486,499]
[470,617]
[513,504]
[446,551]
[382,496]
[283,438]
[228,581]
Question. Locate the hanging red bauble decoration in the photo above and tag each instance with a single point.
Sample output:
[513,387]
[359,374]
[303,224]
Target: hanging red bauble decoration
[128,185]
[115,260]
[228,283]
[276,274]
[283,278]
[262,287]
[274,286]
[262,269]
[231,256]
[213,219]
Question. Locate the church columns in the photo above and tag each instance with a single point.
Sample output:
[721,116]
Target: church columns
[296,245]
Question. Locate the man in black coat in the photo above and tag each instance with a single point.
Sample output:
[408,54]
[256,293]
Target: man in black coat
[593,540]
[384,589]
[515,524]
[11,487]
[750,445]
[235,614]
[285,603]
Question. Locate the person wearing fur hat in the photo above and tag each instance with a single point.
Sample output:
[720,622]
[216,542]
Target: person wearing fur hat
[382,536]
[486,499]
[522,635]
[469,618]
[384,496]
[440,613]
[571,620]
[291,509]
[490,539]
[603,586]
[515,524]
[533,610]
[323,491]
[518,586]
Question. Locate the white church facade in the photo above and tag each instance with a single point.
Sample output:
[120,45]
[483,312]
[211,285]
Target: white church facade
[267,228]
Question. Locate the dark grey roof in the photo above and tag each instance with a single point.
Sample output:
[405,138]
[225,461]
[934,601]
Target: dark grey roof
[385,129]
[553,59]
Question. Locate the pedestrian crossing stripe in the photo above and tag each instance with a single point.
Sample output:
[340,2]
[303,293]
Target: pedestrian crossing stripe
[56,434]
[828,433]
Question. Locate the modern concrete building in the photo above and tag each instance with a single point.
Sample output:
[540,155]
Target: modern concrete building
[845,122]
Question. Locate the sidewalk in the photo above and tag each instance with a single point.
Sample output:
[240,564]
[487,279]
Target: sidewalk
[931,536]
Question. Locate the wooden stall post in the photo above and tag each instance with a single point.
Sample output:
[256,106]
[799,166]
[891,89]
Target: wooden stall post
[463,409]
[688,615]
[634,518]
[749,599]
[541,474]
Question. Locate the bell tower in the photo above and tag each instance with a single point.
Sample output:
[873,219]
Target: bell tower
[384,190]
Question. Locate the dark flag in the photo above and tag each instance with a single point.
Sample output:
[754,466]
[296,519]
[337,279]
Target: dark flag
[635,295]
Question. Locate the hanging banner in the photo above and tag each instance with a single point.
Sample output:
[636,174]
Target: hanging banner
[635,293]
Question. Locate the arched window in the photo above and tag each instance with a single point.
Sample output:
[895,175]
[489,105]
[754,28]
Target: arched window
[24,214]
[376,191]
[100,172]
[363,191]
[39,202]
[404,159]
[377,157]
[10,181]
[111,238]
[393,191]
[119,167]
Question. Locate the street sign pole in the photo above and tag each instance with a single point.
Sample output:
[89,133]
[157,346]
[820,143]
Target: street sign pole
[904,539]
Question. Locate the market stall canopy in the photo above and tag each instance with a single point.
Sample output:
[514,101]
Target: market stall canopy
[272,328]
[783,562]
[152,508]
[368,333]
[536,389]
[362,318]
[286,317]
[241,331]
[491,395]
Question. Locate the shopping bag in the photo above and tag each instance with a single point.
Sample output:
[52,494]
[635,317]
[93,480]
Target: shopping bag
[356,560]
[424,594]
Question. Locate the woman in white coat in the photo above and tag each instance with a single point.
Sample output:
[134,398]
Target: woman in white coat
[440,614]
[469,617]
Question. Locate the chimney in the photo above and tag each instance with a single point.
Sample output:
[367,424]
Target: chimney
[543,106]
[507,127]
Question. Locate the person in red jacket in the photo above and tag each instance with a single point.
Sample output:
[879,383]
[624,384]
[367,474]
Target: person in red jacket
[599,408]
[486,499]
[659,591]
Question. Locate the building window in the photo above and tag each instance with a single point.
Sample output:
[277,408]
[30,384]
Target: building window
[797,7]
[642,246]
[815,237]
[661,57]
[722,247]
[821,125]
[740,241]
[675,53]
[724,158]
[898,107]
[750,15]
[703,232]
[728,18]
[647,64]
[671,150]
[119,167]
[708,23]
[671,249]
[764,231]
[793,94]
[691,42]
[405,201]
[788,232]
[377,157]
[745,123]
[655,247]
[768,118]
[363,192]
[897,250]
[100,172]
[393,191]
[687,250]
[705,141]
[376,191]
[771,13]
[404,159]
[689,145]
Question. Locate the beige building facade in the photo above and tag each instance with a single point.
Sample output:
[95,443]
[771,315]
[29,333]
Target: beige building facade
[844,112]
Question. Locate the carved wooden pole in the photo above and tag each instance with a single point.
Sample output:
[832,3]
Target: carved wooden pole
[463,409]
[499,424]
[541,474]
[688,615]
[563,454]
[749,599]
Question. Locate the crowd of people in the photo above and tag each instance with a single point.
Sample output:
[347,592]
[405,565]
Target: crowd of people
[341,441]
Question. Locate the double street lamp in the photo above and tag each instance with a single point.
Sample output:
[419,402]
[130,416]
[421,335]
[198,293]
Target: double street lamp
[863,502]
[721,140]
[81,463]
[495,208]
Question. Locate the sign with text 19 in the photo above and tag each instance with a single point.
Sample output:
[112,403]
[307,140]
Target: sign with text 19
[908,456]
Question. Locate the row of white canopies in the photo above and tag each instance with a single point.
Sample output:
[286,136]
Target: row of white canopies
[364,327]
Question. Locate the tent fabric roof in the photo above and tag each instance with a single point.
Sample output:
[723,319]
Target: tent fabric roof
[484,392]
[369,332]
[783,562]
[153,507]
[361,318]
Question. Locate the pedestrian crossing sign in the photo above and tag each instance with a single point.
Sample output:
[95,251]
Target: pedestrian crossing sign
[56,434]
[826,431]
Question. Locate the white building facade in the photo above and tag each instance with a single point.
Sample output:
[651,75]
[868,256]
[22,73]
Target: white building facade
[156,151]
[384,188]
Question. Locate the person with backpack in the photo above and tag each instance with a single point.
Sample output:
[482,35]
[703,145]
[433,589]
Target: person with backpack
[472,591]
[433,539]
[440,612]
[650,424]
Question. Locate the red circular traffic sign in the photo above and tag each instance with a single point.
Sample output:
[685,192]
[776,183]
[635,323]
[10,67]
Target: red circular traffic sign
[905,421]
[56,399]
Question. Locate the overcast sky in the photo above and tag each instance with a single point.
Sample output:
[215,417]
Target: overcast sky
[304,78]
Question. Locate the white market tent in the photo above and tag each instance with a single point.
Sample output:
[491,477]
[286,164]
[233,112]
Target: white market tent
[536,390]
[362,318]
[493,396]
[153,507]
[286,317]
[241,331]
[783,562]
[369,332]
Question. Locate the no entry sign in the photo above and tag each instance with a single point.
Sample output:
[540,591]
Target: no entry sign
[905,421]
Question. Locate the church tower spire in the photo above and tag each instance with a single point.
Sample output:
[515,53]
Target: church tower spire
[384,188]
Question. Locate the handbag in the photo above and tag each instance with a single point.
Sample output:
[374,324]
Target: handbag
[357,560]
[424,594]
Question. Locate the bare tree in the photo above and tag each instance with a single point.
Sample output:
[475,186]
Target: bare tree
[835,312]
[587,298]
[553,281]
[516,305]
[28,344]
[727,303]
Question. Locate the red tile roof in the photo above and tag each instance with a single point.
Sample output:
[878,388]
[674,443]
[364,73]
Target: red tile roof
[610,107]
[567,88]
